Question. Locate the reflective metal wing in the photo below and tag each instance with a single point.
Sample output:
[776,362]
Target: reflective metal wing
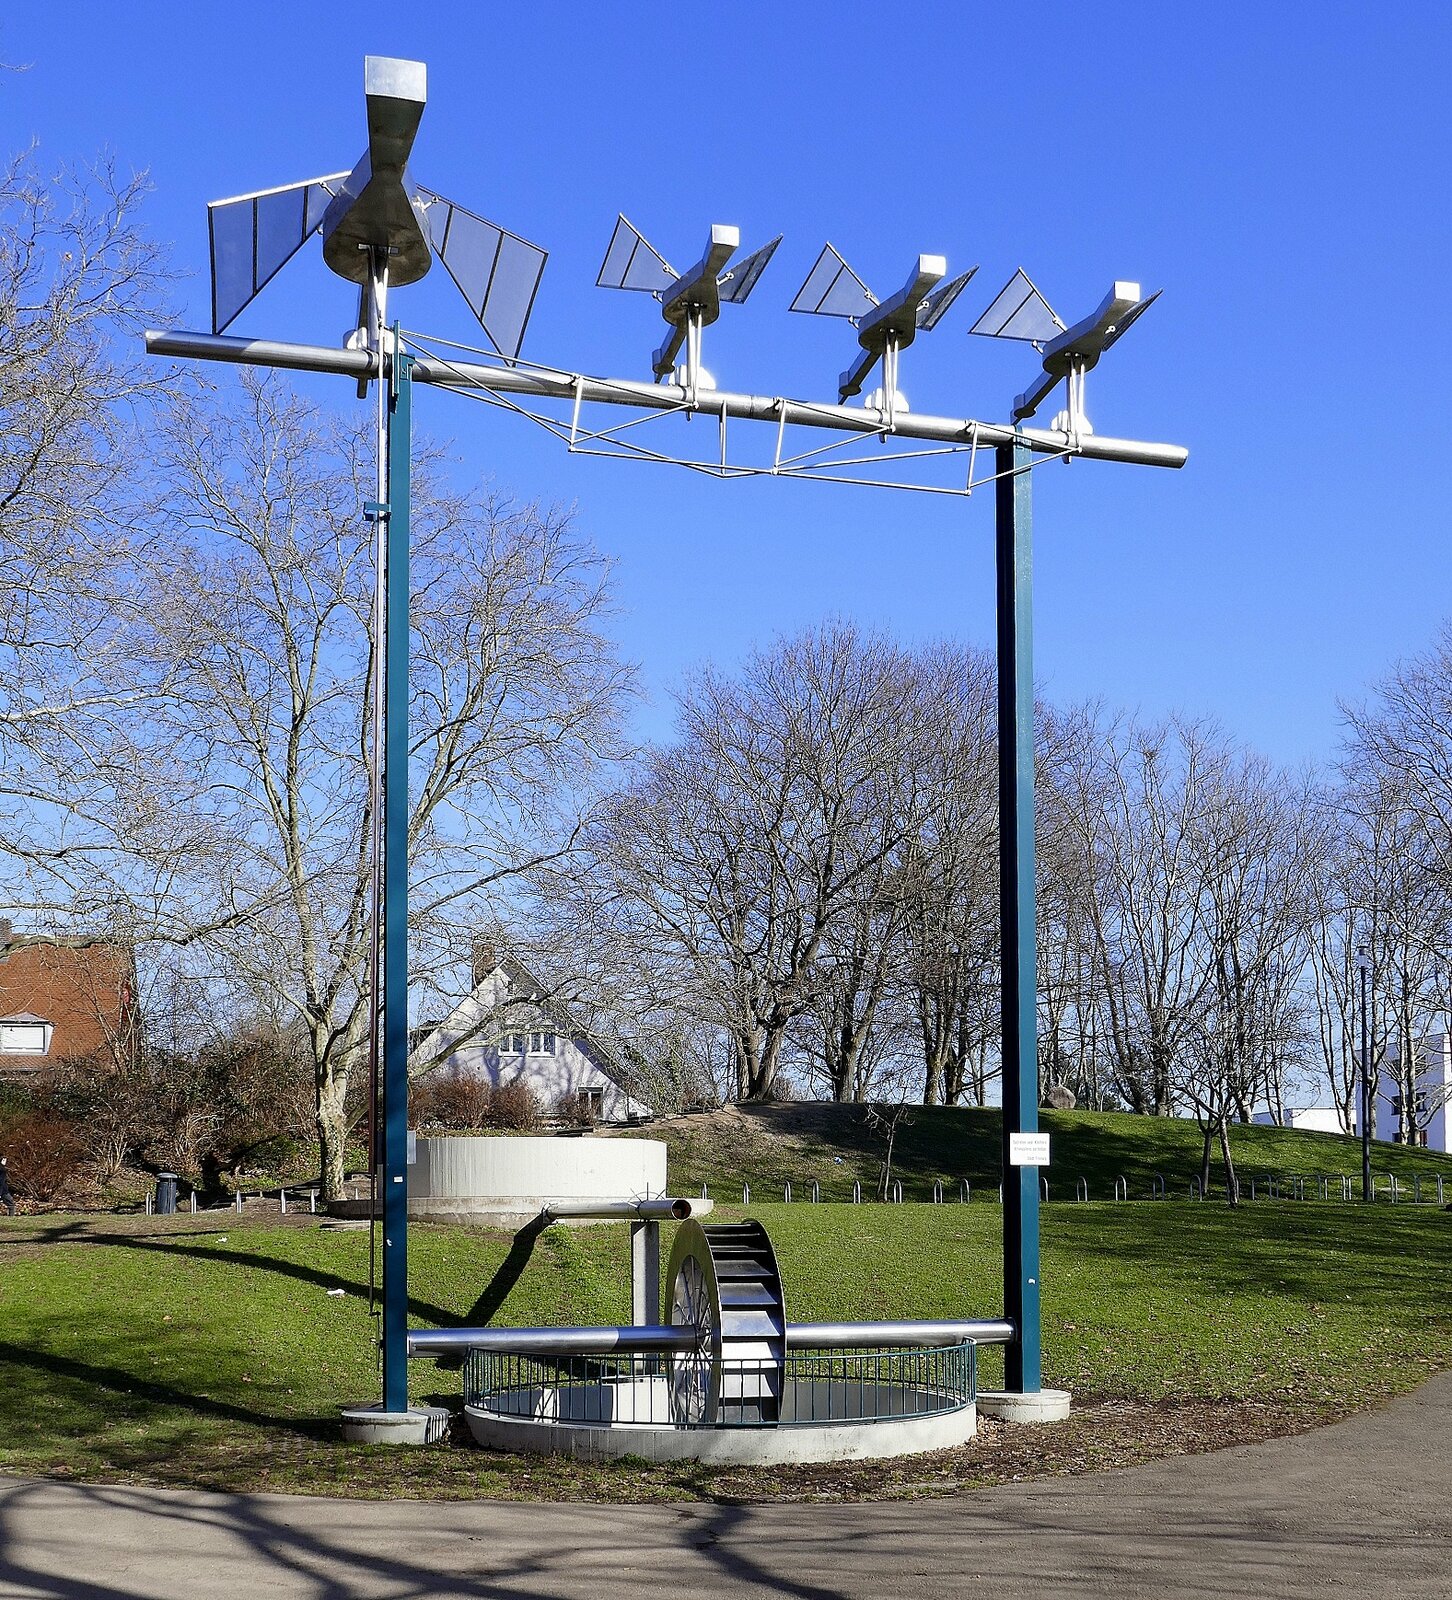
[496,271]
[1131,317]
[739,280]
[253,236]
[933,307]
[833,289]
[1019,312]
[632,263]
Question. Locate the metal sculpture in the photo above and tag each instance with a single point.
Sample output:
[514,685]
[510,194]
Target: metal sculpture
[690,300]
[833,289]
[374,213]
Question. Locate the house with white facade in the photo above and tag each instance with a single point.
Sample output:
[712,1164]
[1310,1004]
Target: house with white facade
[512,1028]
[1428,1113]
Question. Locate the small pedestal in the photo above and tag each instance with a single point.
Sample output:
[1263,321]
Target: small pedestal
[1044,1405]
[373,1425]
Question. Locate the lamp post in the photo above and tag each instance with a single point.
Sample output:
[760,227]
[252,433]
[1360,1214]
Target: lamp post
[1363,966]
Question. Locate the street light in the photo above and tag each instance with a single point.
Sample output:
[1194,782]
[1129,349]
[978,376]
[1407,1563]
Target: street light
[1363,966]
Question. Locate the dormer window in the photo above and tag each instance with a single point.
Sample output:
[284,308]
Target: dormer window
[24,1035]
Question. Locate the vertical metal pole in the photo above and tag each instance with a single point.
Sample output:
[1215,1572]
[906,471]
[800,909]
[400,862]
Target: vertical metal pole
[395,895]
[1014,540]
[645,1306]
[1366,1097]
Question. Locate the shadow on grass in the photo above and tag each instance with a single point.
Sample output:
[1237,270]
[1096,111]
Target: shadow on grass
[287,1269]
[124,1382]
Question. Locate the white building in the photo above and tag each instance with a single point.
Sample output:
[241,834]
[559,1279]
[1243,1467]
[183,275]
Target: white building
[1434,1091]
[1315,1119]
[511,1028]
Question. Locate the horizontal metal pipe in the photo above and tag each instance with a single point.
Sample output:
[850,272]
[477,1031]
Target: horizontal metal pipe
[261,353]
[550,1341]
[658,1337]
[659,397]
[664,1209]
[868,1335]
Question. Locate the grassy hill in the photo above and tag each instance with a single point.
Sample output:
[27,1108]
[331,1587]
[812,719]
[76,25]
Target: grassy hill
[770,1146]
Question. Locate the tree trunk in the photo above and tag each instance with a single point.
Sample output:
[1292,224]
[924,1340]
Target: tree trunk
[332,1122]
[1232,1183]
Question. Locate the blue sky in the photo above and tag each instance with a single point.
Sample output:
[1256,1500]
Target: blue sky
[1280,171]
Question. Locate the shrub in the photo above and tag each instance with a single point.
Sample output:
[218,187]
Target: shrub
[45,1156]
[449,1102]
[577,1109]
[513,1106]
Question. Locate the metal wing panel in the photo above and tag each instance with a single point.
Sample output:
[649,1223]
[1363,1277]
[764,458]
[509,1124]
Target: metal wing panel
[738,281]
[253,236]
[632,263]
[497,272]
[833,289]
[1131,317]
[1019,312]
[935,306]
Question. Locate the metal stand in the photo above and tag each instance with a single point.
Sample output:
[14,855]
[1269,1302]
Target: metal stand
[394,1149]
[1014,536]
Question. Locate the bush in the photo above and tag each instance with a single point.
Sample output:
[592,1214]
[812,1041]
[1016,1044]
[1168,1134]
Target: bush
[513,1106]
[577,1109]
[449,1102]
[469,1103]
[45,1156]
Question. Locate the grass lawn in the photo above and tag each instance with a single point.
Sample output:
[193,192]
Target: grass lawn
[768,1146]
[200,1352]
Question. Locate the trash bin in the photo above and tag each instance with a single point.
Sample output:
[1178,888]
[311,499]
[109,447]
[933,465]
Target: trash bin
[166,1194]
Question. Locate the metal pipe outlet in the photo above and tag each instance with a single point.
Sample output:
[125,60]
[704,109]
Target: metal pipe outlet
[665,1209]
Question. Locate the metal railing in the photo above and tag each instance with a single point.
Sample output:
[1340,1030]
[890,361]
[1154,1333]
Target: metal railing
[810,1388]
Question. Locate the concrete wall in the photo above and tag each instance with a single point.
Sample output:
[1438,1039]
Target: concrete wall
[495,1178]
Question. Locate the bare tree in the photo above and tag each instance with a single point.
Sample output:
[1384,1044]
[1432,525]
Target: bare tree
[950,931]
[245,813]
[78,277]
[769,819]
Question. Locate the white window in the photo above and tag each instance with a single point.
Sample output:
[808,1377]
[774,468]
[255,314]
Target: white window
[541,1044]
[512,1044]
[24,1036]
[593,1101]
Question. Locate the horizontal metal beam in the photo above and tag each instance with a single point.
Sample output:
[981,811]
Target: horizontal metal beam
[661,397]
[871,1335]
[659,1337]
[551,1341]
[662,1210]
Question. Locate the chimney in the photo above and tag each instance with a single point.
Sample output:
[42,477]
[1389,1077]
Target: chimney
[485,960]
[5,930]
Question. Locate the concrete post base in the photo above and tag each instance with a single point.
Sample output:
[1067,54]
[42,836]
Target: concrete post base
[373,1425]
[1045,1405]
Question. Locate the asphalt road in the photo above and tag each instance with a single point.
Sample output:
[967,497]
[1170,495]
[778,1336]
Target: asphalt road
[1363,1508]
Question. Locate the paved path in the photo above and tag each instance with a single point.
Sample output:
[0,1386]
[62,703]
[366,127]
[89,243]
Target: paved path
[1363,1508]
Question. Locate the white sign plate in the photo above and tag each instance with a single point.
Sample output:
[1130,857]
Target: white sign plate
[1028,1149]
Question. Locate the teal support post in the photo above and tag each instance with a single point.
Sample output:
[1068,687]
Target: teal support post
[394,1152]
[1014,544]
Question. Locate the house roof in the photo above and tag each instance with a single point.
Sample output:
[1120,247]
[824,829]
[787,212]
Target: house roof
[526,988]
